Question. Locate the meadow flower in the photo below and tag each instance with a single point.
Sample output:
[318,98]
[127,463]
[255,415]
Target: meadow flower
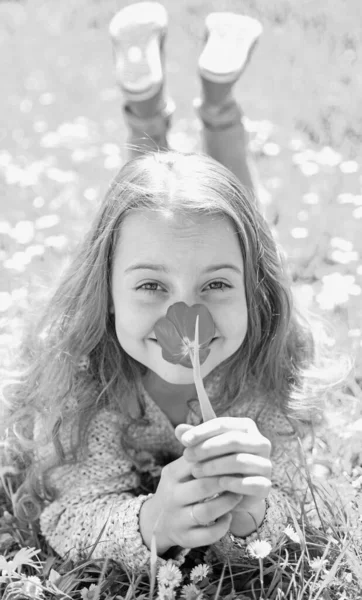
[169,575]
[34,579]
[165,593]
[23,557]
[259,548]
[199,573]
[318,564]
[191,592]
[89,593]
[292,535]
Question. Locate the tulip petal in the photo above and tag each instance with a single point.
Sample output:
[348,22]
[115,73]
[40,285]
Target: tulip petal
[177,314]
[177,329]
[185,361]
[206,324]
[174,358]
[168,336]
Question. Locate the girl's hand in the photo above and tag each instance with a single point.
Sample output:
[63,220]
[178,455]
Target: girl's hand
[233,450]
[178,514]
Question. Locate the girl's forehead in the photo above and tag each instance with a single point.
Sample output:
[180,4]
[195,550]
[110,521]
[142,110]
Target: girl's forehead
[173,222]
[149,231]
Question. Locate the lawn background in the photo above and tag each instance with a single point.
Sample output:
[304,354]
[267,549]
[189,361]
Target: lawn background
[62,138]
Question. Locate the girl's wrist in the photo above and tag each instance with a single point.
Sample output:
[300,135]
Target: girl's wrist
[245,522]
[149,524]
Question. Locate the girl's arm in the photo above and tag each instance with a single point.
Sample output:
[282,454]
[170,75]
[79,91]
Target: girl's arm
[95,504]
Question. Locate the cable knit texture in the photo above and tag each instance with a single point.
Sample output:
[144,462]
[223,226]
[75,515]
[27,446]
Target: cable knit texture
[98,492]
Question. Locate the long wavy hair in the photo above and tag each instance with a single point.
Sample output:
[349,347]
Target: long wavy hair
[278,356]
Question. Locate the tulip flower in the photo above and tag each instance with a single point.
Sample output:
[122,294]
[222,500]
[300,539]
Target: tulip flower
[184,335]
[176,333]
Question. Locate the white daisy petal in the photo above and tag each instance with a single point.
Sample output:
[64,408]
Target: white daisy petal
[259,548]
[169,575]
[292,535]
[199,573]
[191,592]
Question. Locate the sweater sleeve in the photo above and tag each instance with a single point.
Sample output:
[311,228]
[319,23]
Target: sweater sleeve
[288,483]
[95,508]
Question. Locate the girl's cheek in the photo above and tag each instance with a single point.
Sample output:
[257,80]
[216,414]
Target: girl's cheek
[231,322]
[139,321]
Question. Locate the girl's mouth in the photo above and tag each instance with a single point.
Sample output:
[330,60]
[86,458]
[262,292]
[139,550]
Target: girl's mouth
[156,341]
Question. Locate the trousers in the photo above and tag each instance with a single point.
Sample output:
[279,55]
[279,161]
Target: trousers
[223,134]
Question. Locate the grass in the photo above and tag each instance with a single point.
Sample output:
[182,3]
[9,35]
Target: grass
[62,138]
[319,556]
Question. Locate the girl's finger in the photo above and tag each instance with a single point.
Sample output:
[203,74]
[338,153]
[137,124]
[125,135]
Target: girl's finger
[216,427]
[198,490]
[197,536]
[177,471]
[181,429]
[211,510]
[247,486]
[248,503]
[237,464]
[229,443]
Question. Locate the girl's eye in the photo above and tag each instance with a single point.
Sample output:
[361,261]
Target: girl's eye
[218,285]
[150,286]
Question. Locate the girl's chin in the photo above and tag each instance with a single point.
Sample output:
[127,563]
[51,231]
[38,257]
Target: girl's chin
[176,374]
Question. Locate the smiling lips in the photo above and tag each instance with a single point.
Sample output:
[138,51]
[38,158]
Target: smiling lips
[157,342]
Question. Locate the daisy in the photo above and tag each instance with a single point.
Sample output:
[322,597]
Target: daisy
[292,535]
[259,548]
[34,578]
[169,575]
[191,592]
[165,593]
[89,593]
[317,563]
[199,573]
[24,556]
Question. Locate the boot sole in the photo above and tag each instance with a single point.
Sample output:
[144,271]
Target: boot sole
[138,33]
[231,39]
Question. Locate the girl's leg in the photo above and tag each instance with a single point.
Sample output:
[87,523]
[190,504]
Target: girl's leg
[230,40]
[138,33]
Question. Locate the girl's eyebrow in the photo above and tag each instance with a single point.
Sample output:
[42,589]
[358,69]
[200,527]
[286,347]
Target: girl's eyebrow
[165,269]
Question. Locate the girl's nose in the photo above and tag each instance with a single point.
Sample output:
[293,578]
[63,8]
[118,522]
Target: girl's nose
[188,297]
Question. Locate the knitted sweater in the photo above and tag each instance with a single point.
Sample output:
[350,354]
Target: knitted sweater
[98,494]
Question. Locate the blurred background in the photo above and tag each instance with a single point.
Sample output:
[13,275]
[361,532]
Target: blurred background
[62,138]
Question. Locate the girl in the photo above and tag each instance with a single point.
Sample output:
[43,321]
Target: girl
[98,413]
[105,404]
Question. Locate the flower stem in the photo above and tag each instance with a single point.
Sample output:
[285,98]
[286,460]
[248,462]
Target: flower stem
[261,577]
[206,409]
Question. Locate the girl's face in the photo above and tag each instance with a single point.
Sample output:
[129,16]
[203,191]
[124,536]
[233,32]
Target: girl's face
[160,260]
